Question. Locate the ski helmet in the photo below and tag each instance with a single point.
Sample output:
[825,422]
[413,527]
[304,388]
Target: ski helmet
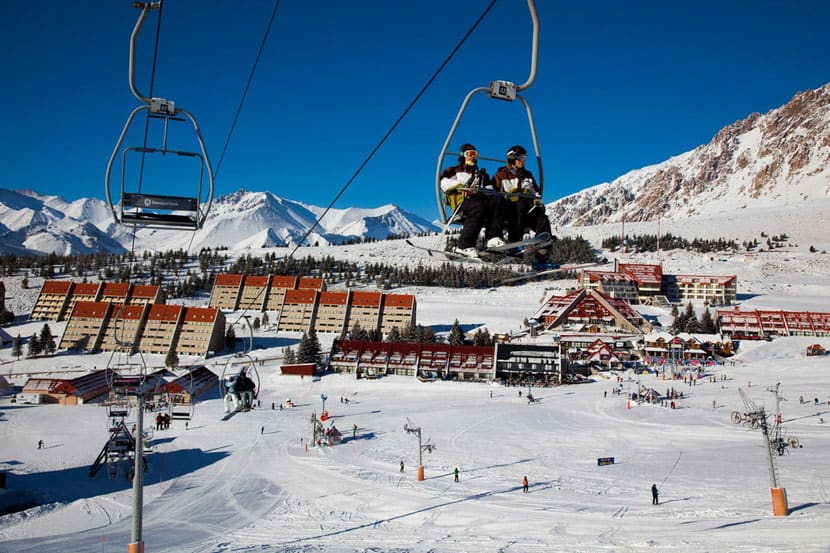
[515,151]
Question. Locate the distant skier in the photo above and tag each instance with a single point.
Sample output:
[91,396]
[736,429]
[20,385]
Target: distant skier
[654,500]
[525,485]
[354,431]
[455,473]
[262,430]
[40,444]
[401,466]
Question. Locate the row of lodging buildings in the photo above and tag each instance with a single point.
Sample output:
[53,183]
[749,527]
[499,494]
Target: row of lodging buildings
[764,324]
[147,328]
[645,283]
[514,363]
[304,304]
[120,316]
[57,298]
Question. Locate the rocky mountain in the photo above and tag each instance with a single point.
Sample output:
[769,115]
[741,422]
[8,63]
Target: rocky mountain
[781,158]
[34,224]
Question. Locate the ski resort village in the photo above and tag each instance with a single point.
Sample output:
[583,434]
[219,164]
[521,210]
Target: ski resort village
[598,324]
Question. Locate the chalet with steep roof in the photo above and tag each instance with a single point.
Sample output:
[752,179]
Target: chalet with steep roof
[591,311]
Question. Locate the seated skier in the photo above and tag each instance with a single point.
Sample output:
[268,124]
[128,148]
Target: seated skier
[523,213]
[479,210]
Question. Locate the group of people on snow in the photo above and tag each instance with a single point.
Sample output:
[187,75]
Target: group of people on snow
[162,421]
[510,201]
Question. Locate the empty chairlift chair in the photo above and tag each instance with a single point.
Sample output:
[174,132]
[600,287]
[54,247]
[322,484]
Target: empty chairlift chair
[154,209]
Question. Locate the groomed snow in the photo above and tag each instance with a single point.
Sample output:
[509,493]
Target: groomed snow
[249,485]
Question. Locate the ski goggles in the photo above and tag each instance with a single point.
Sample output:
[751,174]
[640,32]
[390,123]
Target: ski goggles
[470,154]
[520,157]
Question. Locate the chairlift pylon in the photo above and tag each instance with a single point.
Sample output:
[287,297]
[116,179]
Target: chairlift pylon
[157,210]
[499,90]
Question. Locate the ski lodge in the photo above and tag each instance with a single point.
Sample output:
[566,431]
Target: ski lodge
[590,311]
[647,284]
[69,391]
[765,324]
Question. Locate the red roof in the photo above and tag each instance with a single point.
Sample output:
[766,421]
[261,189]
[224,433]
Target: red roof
[162,312]
[133,312]
[399,300]
[312,283]
[228,280]
[56,287]
[145,291]
[116,289]
[334,298]
[200,314]
[260,281]
[300,296]
[91,309]
[642,273]
[283,281]
[86,289]
[366,299]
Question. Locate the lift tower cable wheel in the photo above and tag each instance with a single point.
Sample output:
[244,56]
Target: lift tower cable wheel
[155,210]
[499,90]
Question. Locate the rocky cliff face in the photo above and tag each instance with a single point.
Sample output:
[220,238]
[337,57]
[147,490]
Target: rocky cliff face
[775,159]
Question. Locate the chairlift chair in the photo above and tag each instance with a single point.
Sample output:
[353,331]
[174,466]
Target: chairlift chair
[156,210]
[249,369]
[499,90]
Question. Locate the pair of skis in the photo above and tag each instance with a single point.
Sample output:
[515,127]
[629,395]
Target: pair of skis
[507,253]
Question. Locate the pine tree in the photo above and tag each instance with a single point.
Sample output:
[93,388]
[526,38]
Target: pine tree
[707,325]
[394,335]
[34,347]
[256,323]
[17,347]
[456,337]
[289,357]
[309,348]
[47,341]
[691,325]
[265,320]
[357,332]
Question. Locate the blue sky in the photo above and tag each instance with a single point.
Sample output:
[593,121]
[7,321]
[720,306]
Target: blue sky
[620,85]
